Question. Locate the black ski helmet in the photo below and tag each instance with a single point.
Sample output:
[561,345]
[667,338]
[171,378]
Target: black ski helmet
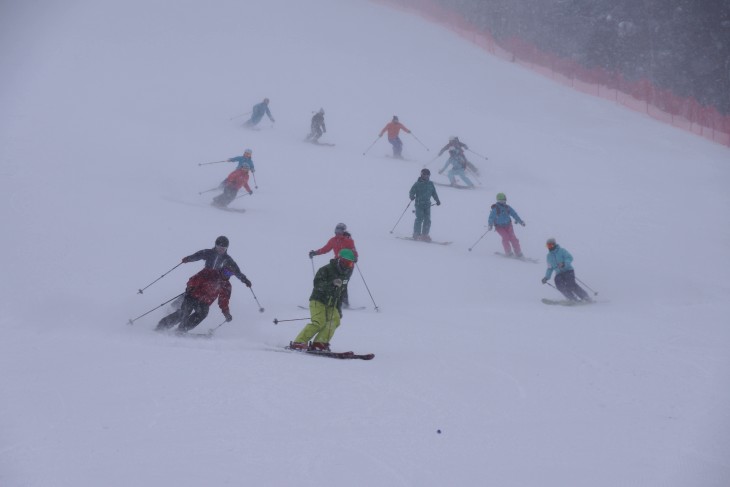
[221,241]
[395,118]
[425,172]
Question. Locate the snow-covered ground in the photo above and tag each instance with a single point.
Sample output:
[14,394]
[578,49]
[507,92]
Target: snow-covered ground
[107,110]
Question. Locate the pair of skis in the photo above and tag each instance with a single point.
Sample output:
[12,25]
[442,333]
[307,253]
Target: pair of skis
[523,258]
[337,355]
[424,241]
[565,302]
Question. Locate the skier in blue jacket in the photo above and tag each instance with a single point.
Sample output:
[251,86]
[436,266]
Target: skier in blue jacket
[244,159]
[458,162]
[500,218]
[560,261]
[257,113]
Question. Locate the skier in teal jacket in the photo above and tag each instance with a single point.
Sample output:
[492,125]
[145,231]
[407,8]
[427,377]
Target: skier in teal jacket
[560,261]
[244,159]
[257,113]
[422,191]
[458,163]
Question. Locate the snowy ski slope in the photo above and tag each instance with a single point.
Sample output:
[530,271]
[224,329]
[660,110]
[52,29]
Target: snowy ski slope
[109,107]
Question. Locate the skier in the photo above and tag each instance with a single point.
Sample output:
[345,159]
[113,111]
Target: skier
[235,181]
[500,218]
[318,127]
[393,128]
[325,303]
[218,258]
[458,163]
[455,143]
[422,191]
[244,159]
[341,240]
[257,113]
[202,289]
[560,260]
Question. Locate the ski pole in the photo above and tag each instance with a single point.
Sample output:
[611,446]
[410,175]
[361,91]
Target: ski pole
[209,190]
[480,238]
[419,141]
[552,286]
[474,175]
[371,145]
[140,291]
[241,195]
[595,293]
[255,184]
[313,273]
[212,330]
[483,157]
[401,216]
[366,287]
[206,163]
[277,321]
[429,162]
[239,116]
[261,310]
[131,321]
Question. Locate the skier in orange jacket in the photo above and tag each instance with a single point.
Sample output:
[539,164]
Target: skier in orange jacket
[393,128]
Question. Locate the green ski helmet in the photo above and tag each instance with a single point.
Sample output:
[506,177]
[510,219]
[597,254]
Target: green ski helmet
[501,197]
[347,254]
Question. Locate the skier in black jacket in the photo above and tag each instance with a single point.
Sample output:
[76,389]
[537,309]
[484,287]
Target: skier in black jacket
[218,258]
[318,127]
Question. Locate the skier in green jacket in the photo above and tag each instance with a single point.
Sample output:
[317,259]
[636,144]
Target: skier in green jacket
[422,191]
[325,303]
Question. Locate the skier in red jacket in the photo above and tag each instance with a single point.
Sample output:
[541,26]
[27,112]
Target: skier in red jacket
[341,240]
[202,289]
[236,180]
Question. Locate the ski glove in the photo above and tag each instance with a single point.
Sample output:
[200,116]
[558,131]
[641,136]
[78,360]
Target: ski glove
[522,223]
[228,316]
[544,280]
[337,282]
[490,228]
[413,198]
[246,281]
[438,203]
[251,192]
[312,253]
[185,260]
